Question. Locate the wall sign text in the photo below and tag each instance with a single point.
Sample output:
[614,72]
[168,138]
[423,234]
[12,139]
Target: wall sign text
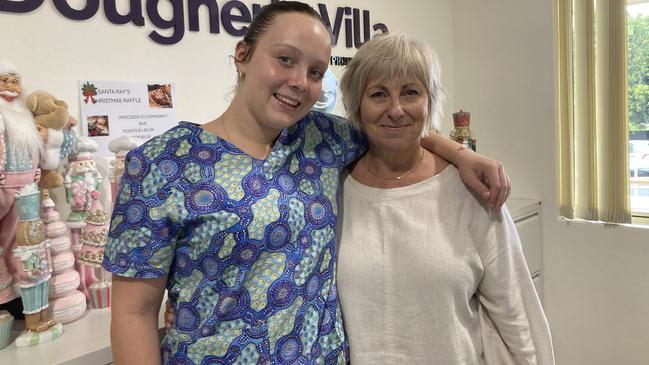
[230,16]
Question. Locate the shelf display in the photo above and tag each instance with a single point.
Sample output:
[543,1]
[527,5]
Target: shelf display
[48,267]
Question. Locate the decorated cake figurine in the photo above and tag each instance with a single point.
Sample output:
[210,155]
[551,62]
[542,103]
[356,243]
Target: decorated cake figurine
[6,325]
[93,241]
[120,147]
[55,126]
[462,133]
[81,180]
[20,150]
[66,302]
[33,270]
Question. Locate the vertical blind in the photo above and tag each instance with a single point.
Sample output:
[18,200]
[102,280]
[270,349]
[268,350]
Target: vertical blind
[592,99]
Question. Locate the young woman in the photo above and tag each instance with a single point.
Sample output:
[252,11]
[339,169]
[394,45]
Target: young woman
[237,217]
[426,275]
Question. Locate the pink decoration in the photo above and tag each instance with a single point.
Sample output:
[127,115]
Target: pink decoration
[65,280]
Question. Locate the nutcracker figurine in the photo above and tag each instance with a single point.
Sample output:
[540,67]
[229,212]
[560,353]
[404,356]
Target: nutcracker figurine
[462,133]
[34,269]
[81,180]
[120,147]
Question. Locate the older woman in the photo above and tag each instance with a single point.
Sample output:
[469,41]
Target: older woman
[424,270]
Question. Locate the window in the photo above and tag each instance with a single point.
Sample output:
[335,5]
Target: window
[638,105]
[592,110]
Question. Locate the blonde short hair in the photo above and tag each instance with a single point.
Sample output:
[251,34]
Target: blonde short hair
[387,57]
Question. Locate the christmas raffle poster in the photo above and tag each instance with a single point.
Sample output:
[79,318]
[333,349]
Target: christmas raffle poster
[111,109]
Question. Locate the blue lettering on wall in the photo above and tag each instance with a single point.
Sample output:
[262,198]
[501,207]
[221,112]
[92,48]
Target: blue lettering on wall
[233,17]
[24,6]
[71,13]
[134,15]
[228,17]
[213,10]
[176,22]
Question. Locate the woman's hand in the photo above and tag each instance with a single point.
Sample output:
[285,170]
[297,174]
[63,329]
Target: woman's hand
[485,176]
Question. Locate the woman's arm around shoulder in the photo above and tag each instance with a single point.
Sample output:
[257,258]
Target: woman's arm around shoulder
[134,322]
[483,175]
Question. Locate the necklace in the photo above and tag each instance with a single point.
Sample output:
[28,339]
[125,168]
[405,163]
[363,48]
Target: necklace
[229,139]
[421,158]
[227,135]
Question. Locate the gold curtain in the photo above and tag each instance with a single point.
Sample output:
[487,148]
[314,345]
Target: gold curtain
[592,93]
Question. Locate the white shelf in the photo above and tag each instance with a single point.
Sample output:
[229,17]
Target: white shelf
[85,341]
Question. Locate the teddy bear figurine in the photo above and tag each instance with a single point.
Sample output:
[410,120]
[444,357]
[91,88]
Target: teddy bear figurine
[55,126]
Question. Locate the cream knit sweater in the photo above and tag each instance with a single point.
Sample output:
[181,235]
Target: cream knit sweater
[414,265]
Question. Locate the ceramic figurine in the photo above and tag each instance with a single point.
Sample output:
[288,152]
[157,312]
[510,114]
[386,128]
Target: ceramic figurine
[462,133]
[20,150]
[93,241]
[33,270]
[55,126]
[6,325]
[66,302]
[120,147]
[81,180]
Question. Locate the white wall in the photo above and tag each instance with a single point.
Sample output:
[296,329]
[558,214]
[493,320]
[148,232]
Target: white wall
[596,277]
[54,53]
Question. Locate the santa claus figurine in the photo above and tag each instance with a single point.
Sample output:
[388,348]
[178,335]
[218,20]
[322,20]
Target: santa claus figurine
[20,149]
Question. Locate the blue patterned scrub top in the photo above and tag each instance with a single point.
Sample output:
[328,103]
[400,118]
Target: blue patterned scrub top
[248,245]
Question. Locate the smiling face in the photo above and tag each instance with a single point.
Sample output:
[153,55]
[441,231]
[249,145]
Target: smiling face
[10,86]
[283,75]
[393,114]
